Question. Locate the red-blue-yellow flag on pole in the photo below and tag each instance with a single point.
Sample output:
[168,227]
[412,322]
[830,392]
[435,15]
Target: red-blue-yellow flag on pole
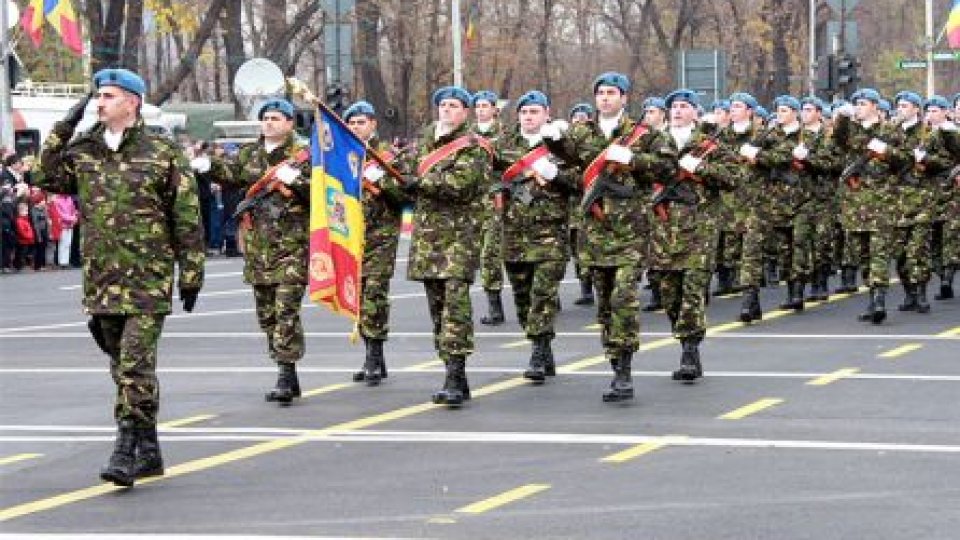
[32,21]
[953,26]
[336,215]
[63,19]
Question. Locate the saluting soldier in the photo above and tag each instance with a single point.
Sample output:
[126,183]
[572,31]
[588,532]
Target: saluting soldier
[618,155]
[450,183]
[141,216]
[534,202]
[875,153]
[579,114]
[684,232]
[383,204]
[488,125]
[946,224]
[275,235]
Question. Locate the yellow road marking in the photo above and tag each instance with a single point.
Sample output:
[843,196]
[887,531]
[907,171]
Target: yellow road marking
[641,449]
[424,365]
[325,389]
[506,497]
[832,377]
[953,332]
[594,326]
[901,350]
[515,344]
[272,446]
[186,421]
[752,408]
[18,457]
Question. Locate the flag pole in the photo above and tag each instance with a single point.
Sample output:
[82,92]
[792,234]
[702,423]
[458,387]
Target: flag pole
[6,109]
[930,44]
[457,43]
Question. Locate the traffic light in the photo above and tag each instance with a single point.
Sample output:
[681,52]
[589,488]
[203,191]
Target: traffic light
[847,69]
[336,98]
[13,71]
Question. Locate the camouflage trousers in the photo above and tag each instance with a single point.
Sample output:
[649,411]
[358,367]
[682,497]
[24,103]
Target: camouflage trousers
[581,270]
[491,255]
[946,244]
[375,307]
[729,249]
[684,294]
[535,286]
[452,316]
[794,244]
[618,307]
[131,341]
[870,249]
[751,260]
[911,250]
[823,241]
[278,312]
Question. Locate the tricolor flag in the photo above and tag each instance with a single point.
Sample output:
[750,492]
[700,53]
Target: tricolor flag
[953,26]
[470,28]
[60,15]
[336,216]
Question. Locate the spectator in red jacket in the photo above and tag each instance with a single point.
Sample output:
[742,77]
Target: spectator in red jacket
[26,239]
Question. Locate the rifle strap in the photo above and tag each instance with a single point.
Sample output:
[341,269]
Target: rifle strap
[271,173]
[525,163]
[593,170]
[451,148]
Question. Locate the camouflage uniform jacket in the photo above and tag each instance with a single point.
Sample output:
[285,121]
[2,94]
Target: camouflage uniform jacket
[616,240]
[493,133]
[871,205]
[141,215]
[277,244]
[747,197]
[948,188]
[786,187]
[687,238]
[382,220]
[824,164]
[448,215]
[919,183]
[537,229]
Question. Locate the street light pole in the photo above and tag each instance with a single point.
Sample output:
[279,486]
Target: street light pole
[930,44]
[457,45]
[6,114]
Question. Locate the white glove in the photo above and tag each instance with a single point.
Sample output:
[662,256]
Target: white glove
[919,155]
[373,174]
[749,151]
[801,152]
[545,168]
[288,174]
[846,109]
[551,130]
[619,154]
[200,164]
[690,163]
[877,146]
[709,118]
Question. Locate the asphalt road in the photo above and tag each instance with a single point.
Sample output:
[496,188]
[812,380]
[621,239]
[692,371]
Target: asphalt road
[807,425]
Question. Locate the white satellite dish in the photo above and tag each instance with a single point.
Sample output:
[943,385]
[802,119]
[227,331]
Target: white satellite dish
[257,80]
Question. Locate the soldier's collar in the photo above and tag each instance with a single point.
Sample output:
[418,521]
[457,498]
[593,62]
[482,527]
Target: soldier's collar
[741,127]
[870,123]
[609,125]
[815,128]
[909,123]
[790,129]
[946,125]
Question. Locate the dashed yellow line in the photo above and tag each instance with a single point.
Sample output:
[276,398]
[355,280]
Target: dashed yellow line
[832,377]
[752,408]
[325,390]
[506,497]
[953,332]
[186,421]
[901,350]
[642,449]
[594,326]
[424,365]
[18,458]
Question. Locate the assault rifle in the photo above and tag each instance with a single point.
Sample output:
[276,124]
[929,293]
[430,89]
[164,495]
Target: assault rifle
[604,186]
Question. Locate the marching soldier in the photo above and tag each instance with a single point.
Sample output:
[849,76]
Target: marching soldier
[579,114]
[535,197]
[946,225]
[382,219]
[875,153]
[655,116]
[275,235]
[618,156]
[684,231]
[451,180]
[491,259]
[141,211]
[729,242]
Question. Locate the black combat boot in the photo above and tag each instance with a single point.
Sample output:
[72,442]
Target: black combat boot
[772,273]
[122,465]
[824,280]
[690,368]
[946,283]
[724,281]
[909,297]
[149,462]
[586,293]
[495,317]
[288,386]
[452,393]
[788,302]
[621,387]
[797,298]
[876,310]
[923,305]
[374,366]
[549,364]
[848,280]
[537,371]
[230,247]
[656,304]
[750,309]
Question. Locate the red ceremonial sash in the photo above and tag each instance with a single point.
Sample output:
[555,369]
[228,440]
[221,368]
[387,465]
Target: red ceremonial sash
[597,165]
[451,148]
[524,163]
[371,163]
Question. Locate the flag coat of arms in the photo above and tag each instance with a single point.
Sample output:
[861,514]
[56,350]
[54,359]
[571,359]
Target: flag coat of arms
[336,216]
